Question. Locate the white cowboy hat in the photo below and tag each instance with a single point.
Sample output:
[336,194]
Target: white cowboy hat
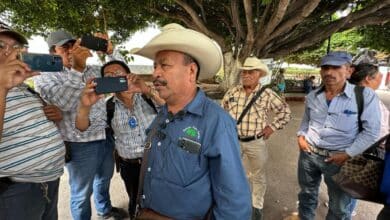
[252,63]
[177,38]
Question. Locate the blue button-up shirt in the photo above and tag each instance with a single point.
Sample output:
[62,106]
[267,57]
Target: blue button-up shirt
[185,184]
[335,126]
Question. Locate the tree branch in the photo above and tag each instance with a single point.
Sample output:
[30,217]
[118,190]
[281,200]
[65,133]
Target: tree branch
[199,23]
[249,21]
[321,33]
[299,17]
[235,15]
[275,20]
[199,3]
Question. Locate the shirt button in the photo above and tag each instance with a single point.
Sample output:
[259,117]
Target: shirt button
[149,169]
[166,121]
[159,144]
[143,197]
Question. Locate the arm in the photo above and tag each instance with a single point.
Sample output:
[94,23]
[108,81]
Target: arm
[137,85]
[58,89]
[87,99]
[232,198]
[13,72]
[282,114]
[304,127]
[371,124]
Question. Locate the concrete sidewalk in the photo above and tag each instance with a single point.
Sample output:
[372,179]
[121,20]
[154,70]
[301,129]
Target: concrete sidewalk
[281,195]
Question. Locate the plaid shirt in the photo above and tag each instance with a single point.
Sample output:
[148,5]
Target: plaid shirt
[63,90]
[255,120]
[129,141]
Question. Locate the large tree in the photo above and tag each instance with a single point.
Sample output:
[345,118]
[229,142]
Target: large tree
[265,28]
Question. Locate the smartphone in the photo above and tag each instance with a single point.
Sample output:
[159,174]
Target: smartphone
[111,84]
[42,62]
[94,43]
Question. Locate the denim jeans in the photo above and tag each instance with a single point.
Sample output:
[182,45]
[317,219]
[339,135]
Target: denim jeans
[90,170]
[34,201]
[311,167]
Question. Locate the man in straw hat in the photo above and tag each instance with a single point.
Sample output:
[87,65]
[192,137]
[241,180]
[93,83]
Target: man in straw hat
[252,126]
[32,150]
[192,167]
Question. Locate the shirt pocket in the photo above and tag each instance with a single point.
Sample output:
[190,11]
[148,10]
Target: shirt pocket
[346,122]
[180,165]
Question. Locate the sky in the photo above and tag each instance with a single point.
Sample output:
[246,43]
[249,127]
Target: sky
[37,44]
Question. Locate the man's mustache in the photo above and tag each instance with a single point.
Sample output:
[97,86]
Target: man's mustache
[160,82]
[330,77]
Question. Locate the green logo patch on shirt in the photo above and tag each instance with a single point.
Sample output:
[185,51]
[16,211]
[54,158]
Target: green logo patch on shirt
[191,132]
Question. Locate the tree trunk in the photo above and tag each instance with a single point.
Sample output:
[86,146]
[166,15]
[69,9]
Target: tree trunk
[231,76]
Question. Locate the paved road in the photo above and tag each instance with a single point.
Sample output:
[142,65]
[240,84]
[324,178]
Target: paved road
[281,196]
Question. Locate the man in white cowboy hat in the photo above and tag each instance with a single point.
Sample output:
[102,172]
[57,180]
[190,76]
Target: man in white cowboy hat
[193,168]
[252,126]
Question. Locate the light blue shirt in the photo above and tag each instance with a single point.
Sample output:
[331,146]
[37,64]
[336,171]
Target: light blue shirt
[184,185]
[335,127]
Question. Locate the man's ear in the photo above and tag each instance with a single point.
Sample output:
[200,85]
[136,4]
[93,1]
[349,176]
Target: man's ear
[193,71]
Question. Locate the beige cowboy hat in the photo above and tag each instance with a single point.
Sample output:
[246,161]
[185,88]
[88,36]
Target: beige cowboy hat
[200,47]
[253,63]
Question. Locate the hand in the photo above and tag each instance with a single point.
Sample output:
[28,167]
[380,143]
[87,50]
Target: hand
[303,145]
[266,132]
[338,158]
[78,56]
[53,113]
[13,72]
[110,46]
[136,84]
[88,96]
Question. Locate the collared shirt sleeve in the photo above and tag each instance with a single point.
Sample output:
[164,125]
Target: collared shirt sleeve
[370,122]
[305,121]
[58,89]
[281,109]
[228,181]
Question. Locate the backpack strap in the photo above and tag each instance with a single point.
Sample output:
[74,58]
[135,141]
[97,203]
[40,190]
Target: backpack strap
[150,102]
[110,108]
[254,98]
[360,104]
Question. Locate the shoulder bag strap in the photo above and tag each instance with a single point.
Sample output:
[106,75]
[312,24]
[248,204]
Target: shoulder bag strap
[360,104]
[254,98]
[144,164]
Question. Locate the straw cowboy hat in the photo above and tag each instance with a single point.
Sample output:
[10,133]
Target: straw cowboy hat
[252,63]
[177,38]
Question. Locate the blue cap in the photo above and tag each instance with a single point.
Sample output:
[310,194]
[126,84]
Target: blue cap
[336,58]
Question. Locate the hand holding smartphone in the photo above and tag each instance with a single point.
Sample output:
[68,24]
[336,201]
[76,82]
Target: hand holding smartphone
[110,84]
[94,43]
[42,62]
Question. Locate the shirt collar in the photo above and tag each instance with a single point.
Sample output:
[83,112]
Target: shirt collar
[348,90]
[196,105]
[241,87]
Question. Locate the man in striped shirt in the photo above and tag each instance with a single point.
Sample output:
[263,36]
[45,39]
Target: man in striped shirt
[92,164]
[254,129]
[31,149]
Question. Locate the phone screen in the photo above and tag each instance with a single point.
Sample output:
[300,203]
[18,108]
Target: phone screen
[111,84]
[94,43]
[42,62]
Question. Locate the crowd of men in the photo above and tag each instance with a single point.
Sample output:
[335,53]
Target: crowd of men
[179,153]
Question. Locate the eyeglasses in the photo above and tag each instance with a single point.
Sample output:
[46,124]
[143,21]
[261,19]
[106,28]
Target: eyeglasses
[115,73]
[7,47]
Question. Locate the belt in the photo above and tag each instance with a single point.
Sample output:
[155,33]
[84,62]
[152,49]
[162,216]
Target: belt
[250,138]
[322,151]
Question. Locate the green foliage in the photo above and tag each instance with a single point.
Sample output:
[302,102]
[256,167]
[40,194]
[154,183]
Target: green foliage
[349,40]
[376,37]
